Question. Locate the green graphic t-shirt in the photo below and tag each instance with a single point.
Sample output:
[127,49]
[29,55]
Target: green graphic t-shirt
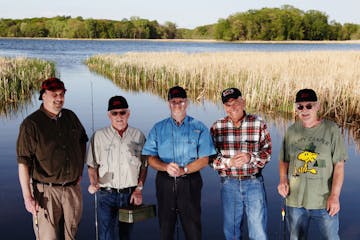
[312,153]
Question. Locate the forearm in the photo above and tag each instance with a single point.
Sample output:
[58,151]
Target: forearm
[93,175]
[24,178]
[283,171]
[142,175]
[338,179]
[156,163]
[198,164]
[260,158]
[220,162]
[283,187]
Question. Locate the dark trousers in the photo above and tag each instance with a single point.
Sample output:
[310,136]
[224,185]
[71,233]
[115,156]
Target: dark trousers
[179,197]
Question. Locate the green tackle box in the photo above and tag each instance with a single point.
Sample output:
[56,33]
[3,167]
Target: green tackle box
[132,214]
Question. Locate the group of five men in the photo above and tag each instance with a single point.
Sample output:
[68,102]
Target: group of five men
[51,150]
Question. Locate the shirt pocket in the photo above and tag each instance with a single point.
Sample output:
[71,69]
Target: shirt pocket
[192,144]
[249,145]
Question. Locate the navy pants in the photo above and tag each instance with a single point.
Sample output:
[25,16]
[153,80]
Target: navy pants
[179,197]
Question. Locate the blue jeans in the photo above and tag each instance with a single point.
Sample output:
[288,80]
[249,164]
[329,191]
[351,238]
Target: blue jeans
[244,196]
[298,220]
[108,212]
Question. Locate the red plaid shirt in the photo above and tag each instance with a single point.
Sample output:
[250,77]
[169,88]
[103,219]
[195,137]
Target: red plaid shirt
[252,137]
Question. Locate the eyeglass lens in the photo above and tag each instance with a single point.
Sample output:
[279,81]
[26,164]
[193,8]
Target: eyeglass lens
[307,106]
[181,103]
[114,113]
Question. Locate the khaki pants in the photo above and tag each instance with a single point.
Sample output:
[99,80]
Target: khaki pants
[60,210]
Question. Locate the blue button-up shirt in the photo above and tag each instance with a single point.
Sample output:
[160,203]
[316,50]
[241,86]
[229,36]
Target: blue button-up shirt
[180,144]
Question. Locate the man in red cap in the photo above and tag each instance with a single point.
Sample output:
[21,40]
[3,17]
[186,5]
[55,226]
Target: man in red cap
[50,154]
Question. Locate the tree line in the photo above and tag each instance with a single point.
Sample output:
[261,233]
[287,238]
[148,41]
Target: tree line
[285,23]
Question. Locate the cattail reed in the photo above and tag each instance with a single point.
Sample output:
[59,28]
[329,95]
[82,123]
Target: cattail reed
[268,80]
[18,78]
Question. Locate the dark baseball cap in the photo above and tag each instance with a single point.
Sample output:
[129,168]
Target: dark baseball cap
[117,102]
[306,95]
[230,93]
[176,92]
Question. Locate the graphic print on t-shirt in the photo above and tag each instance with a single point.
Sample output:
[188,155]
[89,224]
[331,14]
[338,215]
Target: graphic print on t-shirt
[307,156]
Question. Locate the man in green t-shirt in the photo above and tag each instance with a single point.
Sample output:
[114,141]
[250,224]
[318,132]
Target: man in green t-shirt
[311,167]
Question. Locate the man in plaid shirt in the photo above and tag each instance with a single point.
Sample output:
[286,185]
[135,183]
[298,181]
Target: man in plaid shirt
[243,147]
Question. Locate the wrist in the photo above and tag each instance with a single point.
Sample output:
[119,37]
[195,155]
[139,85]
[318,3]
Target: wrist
[227,162]
[186,170]
[140,186]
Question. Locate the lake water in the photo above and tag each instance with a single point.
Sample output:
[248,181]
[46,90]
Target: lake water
[146,109]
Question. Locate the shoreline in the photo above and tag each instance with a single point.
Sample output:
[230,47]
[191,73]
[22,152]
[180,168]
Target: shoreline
[196,40]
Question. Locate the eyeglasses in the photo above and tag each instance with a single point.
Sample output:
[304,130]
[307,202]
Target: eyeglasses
[181,103]
[115,113]
[301,107]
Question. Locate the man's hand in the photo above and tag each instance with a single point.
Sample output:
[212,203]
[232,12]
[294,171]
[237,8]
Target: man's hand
[240,159]
[173,169]
[93,188]
[136,197]
[31,205]
[283,187]
[333,205]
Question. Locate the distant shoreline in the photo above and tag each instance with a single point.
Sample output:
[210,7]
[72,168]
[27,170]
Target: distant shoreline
[195,40]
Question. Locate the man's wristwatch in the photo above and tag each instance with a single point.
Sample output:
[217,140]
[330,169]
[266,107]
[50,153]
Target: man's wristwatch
[186,170]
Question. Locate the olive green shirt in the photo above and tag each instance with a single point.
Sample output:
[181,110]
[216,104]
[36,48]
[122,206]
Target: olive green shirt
[311,154]
[52,147]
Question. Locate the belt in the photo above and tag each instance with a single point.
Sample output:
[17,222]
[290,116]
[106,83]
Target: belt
[116,190]
[66,184]
[179,177]
[243,178]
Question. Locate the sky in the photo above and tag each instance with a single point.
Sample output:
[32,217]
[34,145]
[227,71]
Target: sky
[184,13]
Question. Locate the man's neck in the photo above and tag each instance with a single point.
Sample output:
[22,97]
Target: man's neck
[178,120]
[51,114]
[311,124]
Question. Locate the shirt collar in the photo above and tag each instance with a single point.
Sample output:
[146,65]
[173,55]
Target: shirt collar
[182,123]
[120,132]
[49,114]
[228,119]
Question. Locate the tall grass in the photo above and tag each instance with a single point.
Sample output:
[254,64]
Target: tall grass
[19,77]
[268,80]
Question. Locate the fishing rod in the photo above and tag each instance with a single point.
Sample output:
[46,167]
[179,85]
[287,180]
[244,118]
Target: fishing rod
[92,128]
[37,223]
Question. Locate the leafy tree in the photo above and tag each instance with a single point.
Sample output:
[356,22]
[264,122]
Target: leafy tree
[316,25]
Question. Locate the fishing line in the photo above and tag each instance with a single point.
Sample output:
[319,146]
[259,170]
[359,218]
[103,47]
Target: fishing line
[175,185]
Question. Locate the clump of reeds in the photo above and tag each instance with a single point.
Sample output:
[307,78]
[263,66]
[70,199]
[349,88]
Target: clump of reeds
[268,80]
[19,77]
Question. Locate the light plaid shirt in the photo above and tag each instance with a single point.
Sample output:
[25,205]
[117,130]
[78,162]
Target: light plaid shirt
[252,137]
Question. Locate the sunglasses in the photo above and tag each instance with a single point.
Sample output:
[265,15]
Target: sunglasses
[115,113]
[301,107]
